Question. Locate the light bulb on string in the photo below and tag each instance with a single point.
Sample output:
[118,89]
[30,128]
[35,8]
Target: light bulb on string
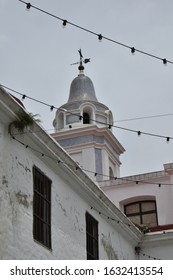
[133,50]
[64,23]
[164,61]
[28,6]
[100,37]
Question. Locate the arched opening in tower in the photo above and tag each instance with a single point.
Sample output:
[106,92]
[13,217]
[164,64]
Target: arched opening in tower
[86,118]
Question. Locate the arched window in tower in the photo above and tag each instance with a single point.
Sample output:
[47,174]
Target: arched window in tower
[60,121]
[111,174]
[86,118]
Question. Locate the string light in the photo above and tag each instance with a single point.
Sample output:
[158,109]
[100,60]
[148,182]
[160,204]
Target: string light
[99,212]
[110,218]
[165,61]
[100,36]
[140,252]
[64,23]
[76,167]
[28,6]
[148,256]
[96,121]
[133,50]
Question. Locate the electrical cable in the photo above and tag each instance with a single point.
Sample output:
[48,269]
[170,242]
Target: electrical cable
[144,117]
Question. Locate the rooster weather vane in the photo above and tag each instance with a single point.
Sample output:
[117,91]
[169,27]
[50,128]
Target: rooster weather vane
[85,60]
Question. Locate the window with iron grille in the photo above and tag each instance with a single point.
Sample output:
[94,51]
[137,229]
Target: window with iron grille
[143,213]
[91,237]
[41,208]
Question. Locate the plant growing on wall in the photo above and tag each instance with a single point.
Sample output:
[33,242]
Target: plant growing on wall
[24,120]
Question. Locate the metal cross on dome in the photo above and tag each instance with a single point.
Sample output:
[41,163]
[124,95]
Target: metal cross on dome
[85,60]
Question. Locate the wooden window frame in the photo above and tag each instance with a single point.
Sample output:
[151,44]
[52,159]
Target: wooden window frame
[41,207]
[92,243]
[141,212]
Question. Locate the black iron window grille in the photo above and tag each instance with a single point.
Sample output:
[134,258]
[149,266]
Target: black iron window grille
[41,208]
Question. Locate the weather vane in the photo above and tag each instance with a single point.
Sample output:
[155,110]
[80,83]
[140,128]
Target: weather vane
[85,60]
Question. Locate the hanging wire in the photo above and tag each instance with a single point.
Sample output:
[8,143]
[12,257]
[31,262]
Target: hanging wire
[99,36]
[76,167]
[58,161]
[52,107]
[144,117]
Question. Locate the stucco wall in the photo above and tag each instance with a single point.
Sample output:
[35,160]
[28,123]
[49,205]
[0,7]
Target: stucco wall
[69,206]
[157,245]
[127,193]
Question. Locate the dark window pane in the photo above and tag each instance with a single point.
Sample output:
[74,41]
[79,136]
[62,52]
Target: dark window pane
[42,208]
[91,237]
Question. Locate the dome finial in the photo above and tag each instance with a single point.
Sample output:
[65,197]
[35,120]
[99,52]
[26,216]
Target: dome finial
[81,67]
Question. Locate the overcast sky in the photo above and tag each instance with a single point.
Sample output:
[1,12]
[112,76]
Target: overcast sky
[36,53]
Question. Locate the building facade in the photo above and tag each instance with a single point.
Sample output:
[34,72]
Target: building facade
[83,128]
[50,208]
[55,202]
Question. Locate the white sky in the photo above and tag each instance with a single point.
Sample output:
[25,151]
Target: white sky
[36,53]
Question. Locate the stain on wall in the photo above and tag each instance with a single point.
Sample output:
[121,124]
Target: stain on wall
[4,181]
[106,243]
[22,199]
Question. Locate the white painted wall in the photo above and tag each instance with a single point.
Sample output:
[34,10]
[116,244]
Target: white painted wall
[157,245]
[69,206]
[127,193]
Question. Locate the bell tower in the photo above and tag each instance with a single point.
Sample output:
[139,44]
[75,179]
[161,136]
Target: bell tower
[83,128]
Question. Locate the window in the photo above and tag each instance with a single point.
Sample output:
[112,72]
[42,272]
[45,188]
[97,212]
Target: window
[111,174]
[86,118]
[91,237]
[42,208]
[60,121]
[142,213]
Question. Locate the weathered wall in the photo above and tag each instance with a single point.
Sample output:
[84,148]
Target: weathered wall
[68,210]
